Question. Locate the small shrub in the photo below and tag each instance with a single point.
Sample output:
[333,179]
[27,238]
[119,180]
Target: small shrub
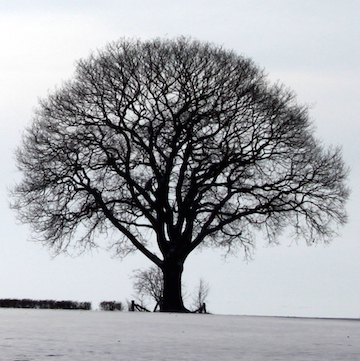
[111,306]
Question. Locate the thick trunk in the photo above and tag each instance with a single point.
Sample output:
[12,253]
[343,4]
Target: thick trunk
[172,296]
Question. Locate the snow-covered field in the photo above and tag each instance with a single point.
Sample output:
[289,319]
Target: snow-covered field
[38,335]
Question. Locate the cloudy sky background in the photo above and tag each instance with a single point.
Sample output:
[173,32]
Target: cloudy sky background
[311,46]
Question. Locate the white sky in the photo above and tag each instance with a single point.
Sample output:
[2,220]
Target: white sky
[311,46]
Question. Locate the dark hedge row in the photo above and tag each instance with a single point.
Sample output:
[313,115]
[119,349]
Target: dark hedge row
[44,304]
[111,306]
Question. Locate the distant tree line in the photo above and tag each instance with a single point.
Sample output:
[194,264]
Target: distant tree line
[44,304]
[103,306]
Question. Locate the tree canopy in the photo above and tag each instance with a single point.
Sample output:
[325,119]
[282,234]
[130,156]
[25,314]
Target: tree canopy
[175,144]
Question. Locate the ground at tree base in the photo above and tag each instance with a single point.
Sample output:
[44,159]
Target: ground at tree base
[36,335]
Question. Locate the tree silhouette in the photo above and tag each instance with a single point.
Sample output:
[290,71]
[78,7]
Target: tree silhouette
[175,144]
[149,284]
[200,295]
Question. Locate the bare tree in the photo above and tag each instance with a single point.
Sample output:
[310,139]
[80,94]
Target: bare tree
[149,284]
[201,293]
[175,144]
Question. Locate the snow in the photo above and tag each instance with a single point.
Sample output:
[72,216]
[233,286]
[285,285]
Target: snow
[29,335]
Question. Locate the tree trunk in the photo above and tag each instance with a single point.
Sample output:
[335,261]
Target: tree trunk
[172,296]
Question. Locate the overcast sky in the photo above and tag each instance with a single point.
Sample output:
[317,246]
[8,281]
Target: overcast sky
[312,46]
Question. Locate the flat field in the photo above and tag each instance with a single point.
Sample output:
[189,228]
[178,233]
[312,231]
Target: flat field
[37,335]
